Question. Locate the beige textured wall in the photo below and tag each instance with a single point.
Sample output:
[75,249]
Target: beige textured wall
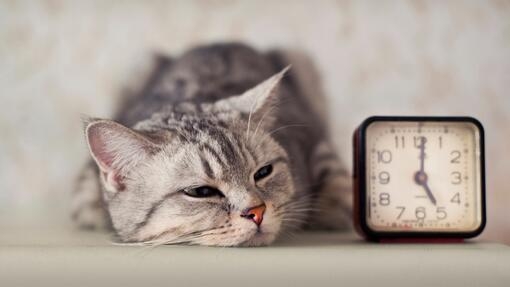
[62,58]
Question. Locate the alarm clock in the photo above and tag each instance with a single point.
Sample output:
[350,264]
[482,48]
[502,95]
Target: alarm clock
[419,178]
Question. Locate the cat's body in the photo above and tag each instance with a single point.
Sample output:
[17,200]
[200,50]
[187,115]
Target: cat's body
[205,120]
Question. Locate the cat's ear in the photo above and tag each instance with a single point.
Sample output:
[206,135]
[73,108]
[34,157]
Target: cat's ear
[116,149]
[257,100]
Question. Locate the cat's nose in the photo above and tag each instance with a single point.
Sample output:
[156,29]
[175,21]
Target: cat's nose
[256,214]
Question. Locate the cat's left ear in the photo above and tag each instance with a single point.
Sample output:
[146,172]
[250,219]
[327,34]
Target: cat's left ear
[117,150]
[257,101]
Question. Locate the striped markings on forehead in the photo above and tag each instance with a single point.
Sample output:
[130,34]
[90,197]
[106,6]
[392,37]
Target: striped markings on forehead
[222,152]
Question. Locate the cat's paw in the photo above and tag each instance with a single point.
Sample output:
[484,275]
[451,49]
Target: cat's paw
[334,204]
[87,209]
[90,217]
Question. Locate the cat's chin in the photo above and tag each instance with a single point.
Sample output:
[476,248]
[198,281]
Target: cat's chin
[259,239]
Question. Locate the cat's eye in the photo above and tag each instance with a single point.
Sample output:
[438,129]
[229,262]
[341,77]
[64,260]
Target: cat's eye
[263,172]
[203,191]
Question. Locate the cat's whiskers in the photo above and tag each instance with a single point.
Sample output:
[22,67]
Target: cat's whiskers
[290,226]
[288,234]
[292,219]
[252,108]
[287,126]
[184,237]
[269,111]
[265,136]
[296,200]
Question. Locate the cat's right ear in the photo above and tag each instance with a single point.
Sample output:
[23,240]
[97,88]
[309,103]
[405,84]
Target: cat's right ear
[116,149]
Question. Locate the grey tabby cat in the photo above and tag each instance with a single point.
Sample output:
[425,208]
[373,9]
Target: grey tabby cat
[223,146]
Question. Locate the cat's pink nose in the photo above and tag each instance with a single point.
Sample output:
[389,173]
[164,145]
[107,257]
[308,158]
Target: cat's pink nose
[256,214]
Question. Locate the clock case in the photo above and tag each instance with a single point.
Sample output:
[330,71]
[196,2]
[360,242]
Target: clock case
[359,185]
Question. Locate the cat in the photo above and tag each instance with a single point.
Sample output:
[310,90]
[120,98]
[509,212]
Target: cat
[223,146]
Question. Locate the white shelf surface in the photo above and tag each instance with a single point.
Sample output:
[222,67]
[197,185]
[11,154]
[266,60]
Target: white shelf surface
[66,257]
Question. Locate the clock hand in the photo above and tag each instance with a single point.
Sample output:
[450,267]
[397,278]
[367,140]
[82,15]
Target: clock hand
[421,177]
[422,154]
[429,193]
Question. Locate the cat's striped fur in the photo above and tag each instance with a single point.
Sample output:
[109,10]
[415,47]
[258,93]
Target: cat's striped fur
[213,117]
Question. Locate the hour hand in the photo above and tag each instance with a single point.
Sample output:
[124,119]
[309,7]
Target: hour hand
[421,179]
[429,193]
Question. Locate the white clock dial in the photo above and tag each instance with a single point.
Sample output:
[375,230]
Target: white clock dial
[423,176]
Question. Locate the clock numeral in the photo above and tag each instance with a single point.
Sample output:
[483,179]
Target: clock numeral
[384,177]
[456,156]
[457,177]
[455,198]
[400,142]
[384,199]
[420,213]
[384,156]
[402,209]
[418,141]
[441,213]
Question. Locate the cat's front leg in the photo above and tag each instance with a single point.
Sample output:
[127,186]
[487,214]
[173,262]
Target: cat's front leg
[332,191]
[87,209]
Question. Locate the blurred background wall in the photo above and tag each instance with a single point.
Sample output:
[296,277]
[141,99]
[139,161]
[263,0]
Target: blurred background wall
[60,59]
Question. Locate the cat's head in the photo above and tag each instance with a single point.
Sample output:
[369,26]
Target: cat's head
[216,177]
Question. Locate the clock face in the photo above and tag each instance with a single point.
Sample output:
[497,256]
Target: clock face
[423,176]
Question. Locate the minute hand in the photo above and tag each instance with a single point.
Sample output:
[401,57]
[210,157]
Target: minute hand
[422,155]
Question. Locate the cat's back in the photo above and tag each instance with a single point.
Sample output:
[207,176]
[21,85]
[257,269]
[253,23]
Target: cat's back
[204,74]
